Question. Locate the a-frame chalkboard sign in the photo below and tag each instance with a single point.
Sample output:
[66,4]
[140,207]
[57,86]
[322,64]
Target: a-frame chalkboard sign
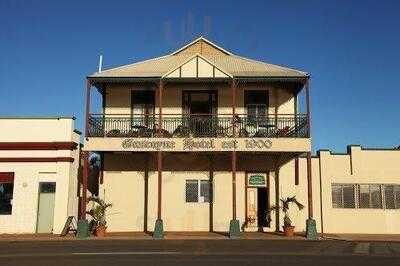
[69,226]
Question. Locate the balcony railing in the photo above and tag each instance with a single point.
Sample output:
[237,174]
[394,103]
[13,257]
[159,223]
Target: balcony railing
[182,126]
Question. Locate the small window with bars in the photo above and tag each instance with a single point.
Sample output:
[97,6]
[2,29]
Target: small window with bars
[198,191]
[343,196]
[392,196]
[369,196]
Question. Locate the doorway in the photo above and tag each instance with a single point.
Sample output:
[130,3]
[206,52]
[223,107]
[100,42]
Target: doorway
[199,109]
[262,200]
[45,214]
[142,108]
[257,202]
[199,102]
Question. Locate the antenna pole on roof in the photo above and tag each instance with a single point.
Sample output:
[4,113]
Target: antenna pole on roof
[100,63]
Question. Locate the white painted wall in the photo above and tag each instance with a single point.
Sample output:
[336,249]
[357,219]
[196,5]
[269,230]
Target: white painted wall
[28,175]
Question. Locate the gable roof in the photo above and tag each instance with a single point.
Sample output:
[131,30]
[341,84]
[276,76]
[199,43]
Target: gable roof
[233,65]
[195,71]
[200,40]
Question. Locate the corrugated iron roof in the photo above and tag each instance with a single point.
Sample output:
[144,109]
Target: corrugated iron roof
[235,65]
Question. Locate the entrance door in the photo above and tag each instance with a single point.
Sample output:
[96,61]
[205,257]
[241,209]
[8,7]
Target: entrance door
[252,207]
[45,215]
[262,200]
[257,201]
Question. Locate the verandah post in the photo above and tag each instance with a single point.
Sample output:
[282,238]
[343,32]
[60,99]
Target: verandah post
[159,227]
[234,226]
[83,226]
[311,227]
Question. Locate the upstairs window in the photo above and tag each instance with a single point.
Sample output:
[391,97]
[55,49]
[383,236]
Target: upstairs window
[256,104]
[6,193]
[142,105]
[198,191]
[143,102]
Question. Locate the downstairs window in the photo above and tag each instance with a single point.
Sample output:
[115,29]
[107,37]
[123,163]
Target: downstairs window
[198,190]
[6,193]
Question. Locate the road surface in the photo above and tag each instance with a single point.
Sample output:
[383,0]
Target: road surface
[198,252]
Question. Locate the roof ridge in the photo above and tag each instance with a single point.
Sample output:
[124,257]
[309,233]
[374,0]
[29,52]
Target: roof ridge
[128,65]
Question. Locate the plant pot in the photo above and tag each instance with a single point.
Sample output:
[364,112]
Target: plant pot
[288,230]
[101,231]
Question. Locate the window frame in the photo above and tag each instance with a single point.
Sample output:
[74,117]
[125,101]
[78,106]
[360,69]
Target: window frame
[383,191]
[395,200]
[382,203]
[199,182]
[342,185]
[9,178]
[247,103]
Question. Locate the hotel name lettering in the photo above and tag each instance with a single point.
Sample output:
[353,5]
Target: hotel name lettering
[190,144]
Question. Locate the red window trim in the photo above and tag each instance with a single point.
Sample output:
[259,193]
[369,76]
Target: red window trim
[38,145]
[35,159]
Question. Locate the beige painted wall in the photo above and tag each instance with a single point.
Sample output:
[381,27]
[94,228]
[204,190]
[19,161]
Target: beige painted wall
[125,190]
[118,99]
[369,166]
[178,215]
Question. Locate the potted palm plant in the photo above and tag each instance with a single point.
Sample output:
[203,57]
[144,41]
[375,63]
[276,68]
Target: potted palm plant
[288,228]
[98,213]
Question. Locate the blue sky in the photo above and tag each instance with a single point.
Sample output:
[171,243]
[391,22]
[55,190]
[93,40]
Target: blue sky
[351,49]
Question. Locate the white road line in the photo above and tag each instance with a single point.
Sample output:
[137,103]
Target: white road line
[128,253]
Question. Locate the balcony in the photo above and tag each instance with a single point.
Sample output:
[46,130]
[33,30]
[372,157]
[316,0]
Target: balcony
[198,126]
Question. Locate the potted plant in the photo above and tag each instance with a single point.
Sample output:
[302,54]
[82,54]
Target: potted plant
[98,213]
[288,228]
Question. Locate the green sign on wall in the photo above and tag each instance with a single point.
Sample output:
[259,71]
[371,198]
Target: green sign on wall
[257,180]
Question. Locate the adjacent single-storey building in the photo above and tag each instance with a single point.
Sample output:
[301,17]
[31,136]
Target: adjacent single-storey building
[202,139]
[39,162]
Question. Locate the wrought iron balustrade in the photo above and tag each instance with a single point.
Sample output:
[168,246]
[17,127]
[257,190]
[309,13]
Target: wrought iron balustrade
[221,126]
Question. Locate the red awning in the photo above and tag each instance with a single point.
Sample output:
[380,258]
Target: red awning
[6,177]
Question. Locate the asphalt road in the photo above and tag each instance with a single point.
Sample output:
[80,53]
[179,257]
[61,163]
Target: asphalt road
[198,252]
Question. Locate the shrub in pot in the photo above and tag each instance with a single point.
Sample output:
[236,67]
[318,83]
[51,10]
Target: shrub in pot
[285,204]
[98,213]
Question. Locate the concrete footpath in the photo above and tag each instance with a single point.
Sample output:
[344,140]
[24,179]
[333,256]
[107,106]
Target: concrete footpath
[203,236]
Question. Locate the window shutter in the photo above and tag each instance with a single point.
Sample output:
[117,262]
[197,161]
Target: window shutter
[192,194]
[348,196]
[389,196]
[337,200]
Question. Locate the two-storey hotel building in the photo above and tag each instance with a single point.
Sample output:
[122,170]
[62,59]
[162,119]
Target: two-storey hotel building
[202,139]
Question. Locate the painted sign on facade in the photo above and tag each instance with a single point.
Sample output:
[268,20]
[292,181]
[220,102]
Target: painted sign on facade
[257,180]
[195,144]
[198,144]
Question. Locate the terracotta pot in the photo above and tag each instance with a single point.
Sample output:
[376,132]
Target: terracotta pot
[101,231]
[288,230]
